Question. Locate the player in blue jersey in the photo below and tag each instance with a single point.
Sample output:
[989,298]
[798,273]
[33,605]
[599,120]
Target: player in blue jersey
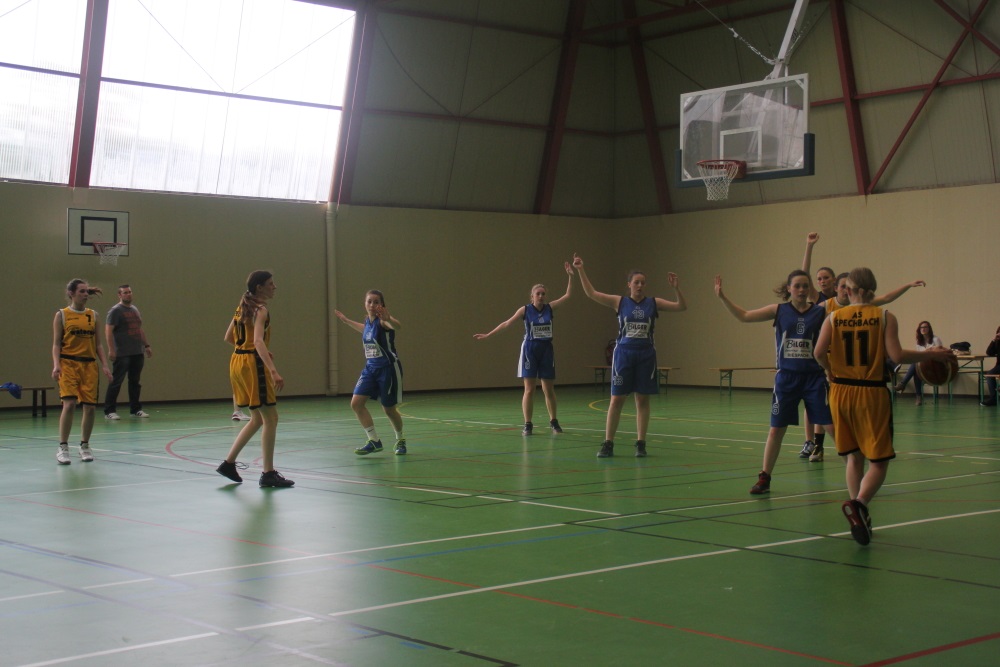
[382,377]
[796,322]
[633,365]
[537,359]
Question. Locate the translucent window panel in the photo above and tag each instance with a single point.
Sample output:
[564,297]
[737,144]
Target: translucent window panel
[152,139]
[43,33]
[269,48]
[37,113]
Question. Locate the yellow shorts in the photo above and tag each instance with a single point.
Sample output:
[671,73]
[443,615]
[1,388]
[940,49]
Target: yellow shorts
[862,420]
[80,381]
[252,384]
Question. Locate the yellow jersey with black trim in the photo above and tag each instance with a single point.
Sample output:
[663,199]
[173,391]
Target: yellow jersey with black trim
[243,333]
[832,305]
[79,338]
[857,343]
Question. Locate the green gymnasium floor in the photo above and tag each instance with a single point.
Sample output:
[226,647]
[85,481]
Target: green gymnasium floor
[482,547]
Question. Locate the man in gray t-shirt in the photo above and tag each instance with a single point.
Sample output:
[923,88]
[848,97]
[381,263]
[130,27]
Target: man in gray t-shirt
[127,351]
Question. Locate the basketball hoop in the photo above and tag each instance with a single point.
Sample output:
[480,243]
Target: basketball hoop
[718,174]
[109,252]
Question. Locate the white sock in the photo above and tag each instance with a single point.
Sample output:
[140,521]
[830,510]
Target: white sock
[399,435]
[370,432]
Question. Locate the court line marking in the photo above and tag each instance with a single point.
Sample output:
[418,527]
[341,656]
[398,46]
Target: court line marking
[628,566]
[124,649]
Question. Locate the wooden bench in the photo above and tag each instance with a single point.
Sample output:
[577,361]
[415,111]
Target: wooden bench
[726,373]
[601,375]
[36,405]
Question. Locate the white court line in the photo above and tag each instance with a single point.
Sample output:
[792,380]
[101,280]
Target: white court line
[124,649]
[276,624]
[628,566]
[126,582]
[369,549]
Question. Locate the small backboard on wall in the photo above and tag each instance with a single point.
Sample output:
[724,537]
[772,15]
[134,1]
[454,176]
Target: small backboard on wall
[86,227]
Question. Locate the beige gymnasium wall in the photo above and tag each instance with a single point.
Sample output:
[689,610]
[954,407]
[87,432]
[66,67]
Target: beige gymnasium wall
[448,275]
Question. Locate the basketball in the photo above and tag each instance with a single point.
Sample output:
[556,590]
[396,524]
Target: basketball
[938,372]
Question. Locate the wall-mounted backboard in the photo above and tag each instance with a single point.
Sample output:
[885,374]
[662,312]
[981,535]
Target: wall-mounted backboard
[85,227]
[765,124]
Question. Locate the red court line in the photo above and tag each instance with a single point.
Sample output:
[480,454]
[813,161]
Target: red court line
[600,612]
[932,651]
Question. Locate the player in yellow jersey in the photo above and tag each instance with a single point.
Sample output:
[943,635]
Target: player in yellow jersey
[75,351]
[853,346]
[255,378]
[832,293]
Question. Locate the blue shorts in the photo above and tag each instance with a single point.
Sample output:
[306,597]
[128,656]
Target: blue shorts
[789,389]
[538,360]
[633,369]
[382,382]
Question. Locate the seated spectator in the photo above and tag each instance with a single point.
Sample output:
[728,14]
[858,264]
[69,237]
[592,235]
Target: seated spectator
[925,339]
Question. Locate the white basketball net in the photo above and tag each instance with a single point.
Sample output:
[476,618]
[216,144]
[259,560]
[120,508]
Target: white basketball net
[109,252]
[717,177]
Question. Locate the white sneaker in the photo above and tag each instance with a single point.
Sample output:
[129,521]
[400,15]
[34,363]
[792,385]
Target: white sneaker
[141,413]
[85,453]
[62,455]
[240,416]
[112,416]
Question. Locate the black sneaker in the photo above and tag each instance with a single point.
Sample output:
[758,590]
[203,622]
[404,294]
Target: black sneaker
[230,470]
[763,484]
[640,448]
[274,478]
[607,450]
[527,428]
[807,449]
[554,425]
[857,516]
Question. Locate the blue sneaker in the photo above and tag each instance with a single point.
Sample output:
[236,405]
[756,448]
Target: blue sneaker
[807,449]
[400,447]
[371,447]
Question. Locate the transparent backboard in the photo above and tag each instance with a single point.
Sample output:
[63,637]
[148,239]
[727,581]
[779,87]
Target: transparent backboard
[765,124]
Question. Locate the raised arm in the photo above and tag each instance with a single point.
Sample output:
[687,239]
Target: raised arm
[386,320]
[889,297]
[764,314]
[673,306]
[357,326]
[609,300]
[569,287]
[518,314]
[811,240]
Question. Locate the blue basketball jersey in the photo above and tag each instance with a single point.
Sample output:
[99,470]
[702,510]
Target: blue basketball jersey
[795,336]
[537,323]
[380,344]
[636,321]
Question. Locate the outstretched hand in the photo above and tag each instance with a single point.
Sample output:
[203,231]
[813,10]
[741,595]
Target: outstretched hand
[672,279]
[718,286]
[812,238]
[577,261]
[568,267]
[918,283]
